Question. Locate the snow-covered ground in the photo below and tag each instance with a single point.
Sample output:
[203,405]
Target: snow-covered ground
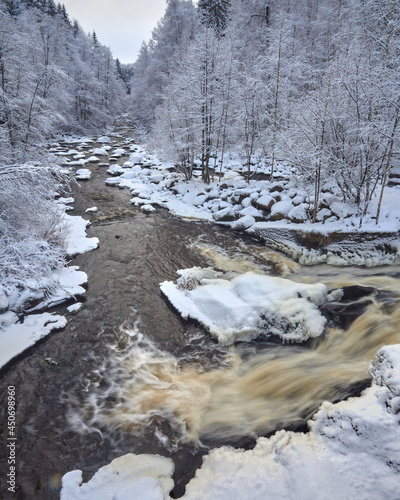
[19,333]
[258,207]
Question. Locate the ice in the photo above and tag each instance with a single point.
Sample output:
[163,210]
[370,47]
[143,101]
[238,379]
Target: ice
[76,241]
[17,337]
[145,477]
[249,305]
[83,174]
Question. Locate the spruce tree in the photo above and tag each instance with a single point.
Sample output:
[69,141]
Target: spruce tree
[214,13]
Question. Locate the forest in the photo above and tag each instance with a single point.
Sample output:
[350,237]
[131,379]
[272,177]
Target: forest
[312,82]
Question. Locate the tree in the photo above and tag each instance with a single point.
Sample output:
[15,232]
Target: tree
[214,13]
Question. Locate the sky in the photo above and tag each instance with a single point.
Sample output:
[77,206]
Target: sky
[122,25]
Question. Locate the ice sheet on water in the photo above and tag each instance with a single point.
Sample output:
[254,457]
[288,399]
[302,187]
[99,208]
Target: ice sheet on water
[249,305]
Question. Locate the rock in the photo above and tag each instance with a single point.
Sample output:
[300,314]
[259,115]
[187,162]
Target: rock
[323,215]
[100,152]
[83,174]
[298,199]
[355,292]
[243,223]
[156,178]
[341,209]
[223,204]
[298,214]
[250,210]
[265,202]
[93,159]
[280,210]
[225,215]
[136,159]
[277,188]
[104,139]
[343,315]
[147,208]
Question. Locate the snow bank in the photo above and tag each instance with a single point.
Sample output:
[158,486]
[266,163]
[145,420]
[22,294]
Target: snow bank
[247,306]
[351,451]
[76,240]
[17,337]
[145,477]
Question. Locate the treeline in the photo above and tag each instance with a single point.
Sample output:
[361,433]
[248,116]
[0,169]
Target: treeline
[53,77]
[313,82]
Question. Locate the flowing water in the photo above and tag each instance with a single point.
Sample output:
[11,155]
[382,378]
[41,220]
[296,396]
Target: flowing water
[127,375]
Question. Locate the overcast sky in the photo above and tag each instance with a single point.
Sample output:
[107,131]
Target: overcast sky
[122,25]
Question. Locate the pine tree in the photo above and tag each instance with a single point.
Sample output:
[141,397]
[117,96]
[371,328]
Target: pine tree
[13,7]
[214,13]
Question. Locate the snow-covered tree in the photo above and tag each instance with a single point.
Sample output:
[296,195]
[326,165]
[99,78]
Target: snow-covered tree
[214,13]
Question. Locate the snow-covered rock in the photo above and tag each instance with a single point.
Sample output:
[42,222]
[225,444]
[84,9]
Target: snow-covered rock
[147,208]
[249,305]
[99,152]
[93,159]
[83,174]
[104,139]
[281,209]
[265,202]
[243,223]
[298,214]
[225,215]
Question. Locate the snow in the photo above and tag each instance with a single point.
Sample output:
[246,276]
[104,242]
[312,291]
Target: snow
[93,159]
[83,174]
[19,336]
[99,152]
[147,208]
[246,306]
[68,281]
[104,139]
[145,477]
[76,241]
[115,170]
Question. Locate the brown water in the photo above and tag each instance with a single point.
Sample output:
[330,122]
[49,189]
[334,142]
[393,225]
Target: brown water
[127,375]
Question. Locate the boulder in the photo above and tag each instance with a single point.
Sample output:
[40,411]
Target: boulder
[280,210]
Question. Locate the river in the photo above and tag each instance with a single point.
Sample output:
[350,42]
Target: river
[128,375]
